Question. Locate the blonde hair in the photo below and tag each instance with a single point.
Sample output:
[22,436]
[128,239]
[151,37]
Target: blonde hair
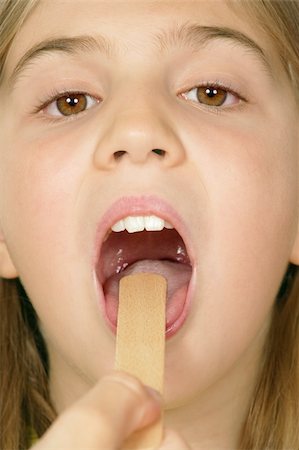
[12,16]
[273,417]
[279,21]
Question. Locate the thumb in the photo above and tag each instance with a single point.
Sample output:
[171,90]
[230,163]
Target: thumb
[103,418]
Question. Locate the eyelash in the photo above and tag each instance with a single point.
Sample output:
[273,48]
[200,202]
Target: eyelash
[54,95]
[217,84]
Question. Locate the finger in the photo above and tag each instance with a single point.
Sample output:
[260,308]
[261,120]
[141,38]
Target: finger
[113,409]
[173,441]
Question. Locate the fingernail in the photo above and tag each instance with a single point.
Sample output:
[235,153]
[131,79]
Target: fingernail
[154,393]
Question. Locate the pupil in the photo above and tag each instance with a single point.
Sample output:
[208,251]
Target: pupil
[72,101]
[211,92]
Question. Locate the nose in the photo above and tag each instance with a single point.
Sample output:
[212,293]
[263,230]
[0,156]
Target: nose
[140,136]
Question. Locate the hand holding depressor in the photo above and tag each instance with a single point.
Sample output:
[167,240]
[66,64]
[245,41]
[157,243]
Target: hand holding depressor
[117,406]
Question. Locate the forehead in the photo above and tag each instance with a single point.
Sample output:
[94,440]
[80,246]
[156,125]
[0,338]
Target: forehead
[132,23]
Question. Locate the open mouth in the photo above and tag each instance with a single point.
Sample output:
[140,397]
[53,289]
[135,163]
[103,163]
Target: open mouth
[145,244]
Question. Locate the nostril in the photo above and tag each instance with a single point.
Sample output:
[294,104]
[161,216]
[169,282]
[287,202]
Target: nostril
[118,154]
[159,151]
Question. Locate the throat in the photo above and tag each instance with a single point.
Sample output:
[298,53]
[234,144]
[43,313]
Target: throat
[123,249]
[163,252]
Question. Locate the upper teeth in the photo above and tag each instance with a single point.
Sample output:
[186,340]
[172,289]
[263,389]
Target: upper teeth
[138,223]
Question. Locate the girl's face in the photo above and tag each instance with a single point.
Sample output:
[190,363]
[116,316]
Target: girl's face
[229,169]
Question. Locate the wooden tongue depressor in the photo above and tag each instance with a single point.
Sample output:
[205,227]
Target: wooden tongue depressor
[140,342]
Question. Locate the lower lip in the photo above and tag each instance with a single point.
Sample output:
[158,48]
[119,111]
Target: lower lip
[172,328]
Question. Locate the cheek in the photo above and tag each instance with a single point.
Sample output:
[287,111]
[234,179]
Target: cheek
[42,179]
[247,182]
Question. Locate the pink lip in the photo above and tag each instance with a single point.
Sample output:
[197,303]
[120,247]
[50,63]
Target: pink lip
[144,205]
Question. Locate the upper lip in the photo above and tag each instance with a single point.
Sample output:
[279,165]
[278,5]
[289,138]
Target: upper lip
[142,205]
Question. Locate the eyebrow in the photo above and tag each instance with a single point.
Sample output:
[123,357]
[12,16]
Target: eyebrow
[187,35]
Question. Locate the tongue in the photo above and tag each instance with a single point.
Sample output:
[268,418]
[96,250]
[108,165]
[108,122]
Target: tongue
[177,275]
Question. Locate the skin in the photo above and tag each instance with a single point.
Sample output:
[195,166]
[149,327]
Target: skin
[239,167]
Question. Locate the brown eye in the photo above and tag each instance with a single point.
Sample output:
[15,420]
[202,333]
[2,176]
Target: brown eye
[211,96]
[71,104]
